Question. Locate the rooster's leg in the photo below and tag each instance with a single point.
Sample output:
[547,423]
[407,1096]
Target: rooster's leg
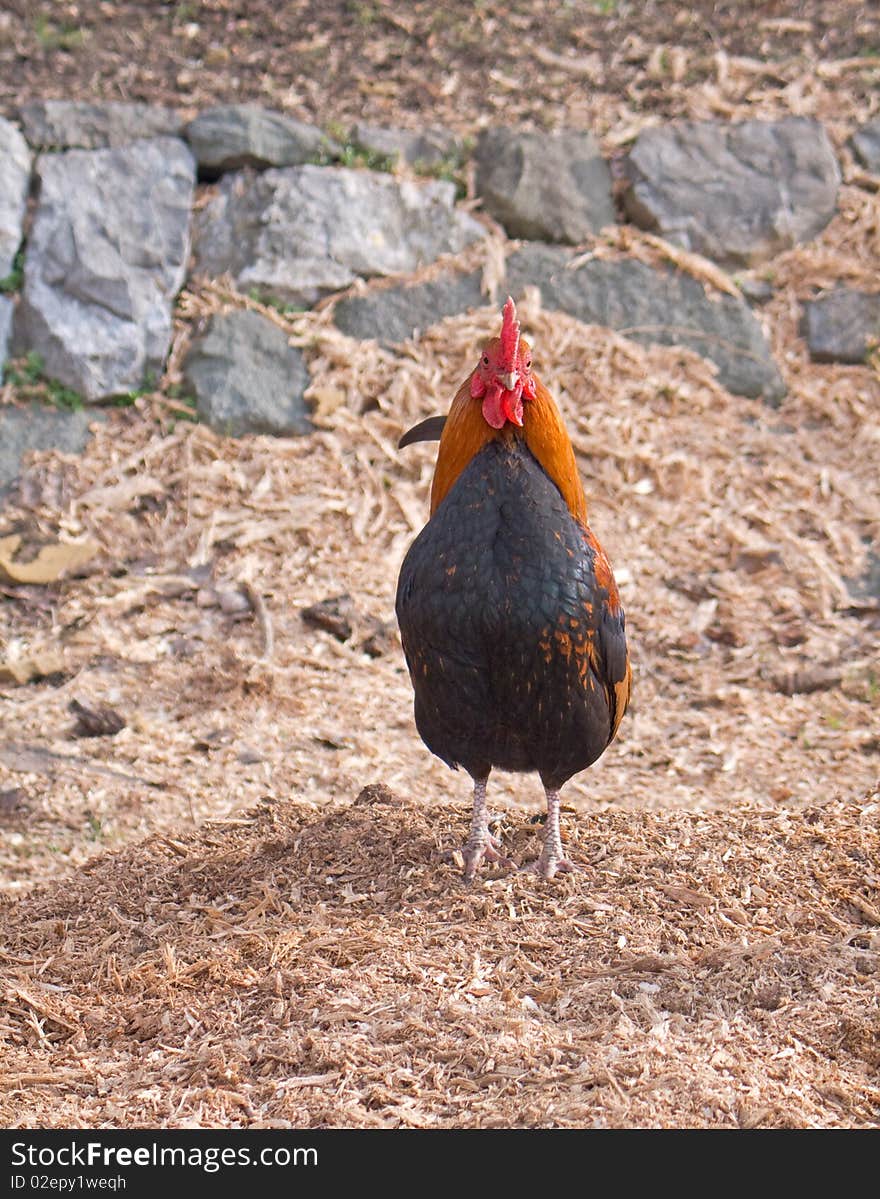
[481,845]
[552,860]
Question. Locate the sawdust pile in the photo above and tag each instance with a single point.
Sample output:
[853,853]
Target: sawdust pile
[271,953]
[328,968]
[735,530]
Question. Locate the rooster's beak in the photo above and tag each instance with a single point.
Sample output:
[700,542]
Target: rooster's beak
[509,381]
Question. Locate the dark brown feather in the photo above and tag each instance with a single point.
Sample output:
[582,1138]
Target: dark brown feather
[429,429]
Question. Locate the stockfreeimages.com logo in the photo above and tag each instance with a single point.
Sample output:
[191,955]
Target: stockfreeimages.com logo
[211,1158]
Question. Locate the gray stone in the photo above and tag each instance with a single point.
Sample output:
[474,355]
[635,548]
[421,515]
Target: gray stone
[842,325]
[247,379]
[297,233]
[78,124]
[552,187]
[866,146]
[392,314]
[737,193]
[663,307]
[428,148]
[866,587]
[15,177]
[7,308]
[231,136]
[39,428]
[757,291]
[106,255]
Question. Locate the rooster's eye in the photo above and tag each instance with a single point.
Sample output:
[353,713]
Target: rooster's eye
[529,364]
[485,360]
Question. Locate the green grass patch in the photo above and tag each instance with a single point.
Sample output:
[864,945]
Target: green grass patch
[65,36]
[15,278]
[28,378]
[268,301]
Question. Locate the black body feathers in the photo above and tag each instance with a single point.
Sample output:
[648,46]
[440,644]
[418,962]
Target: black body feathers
[512,647]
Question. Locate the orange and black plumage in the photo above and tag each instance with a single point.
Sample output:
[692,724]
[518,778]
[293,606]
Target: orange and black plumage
[509,614]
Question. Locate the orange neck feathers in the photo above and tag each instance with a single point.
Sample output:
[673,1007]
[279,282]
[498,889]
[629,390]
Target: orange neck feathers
[464,435]
[547,438]
[466,432]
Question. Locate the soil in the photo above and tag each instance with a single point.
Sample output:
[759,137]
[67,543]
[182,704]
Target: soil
[243,907]
[296,968]
[459,63]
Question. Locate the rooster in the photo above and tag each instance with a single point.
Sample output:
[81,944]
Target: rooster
[509,614]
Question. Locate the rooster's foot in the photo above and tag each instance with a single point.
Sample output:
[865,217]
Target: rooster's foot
[486,849]
[549,865]
[552,860]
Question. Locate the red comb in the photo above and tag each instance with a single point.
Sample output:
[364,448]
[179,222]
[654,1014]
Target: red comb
[509,334]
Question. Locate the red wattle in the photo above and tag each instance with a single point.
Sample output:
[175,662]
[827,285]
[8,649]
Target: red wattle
[494,412]
[513,406]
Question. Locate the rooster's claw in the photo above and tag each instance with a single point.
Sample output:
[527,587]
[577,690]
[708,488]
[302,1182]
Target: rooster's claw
[483,851]
[549,866]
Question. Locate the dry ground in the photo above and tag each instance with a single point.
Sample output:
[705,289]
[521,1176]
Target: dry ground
[222,938]
[603,64]
[294,958]
[324,967]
